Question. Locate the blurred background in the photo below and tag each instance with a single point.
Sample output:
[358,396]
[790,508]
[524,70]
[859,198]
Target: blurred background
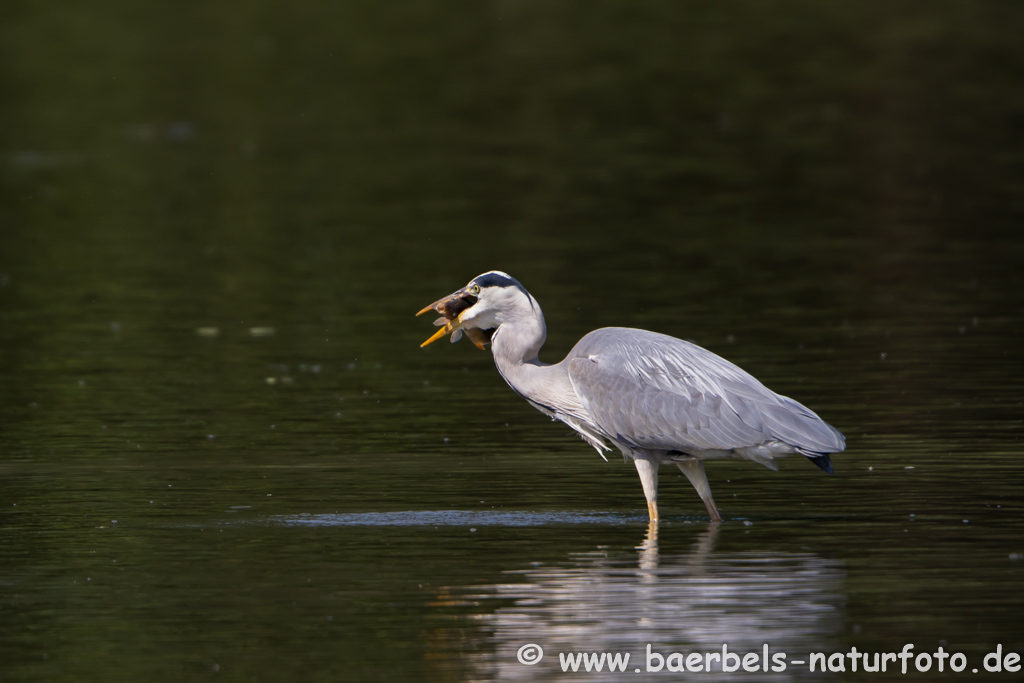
[224,456]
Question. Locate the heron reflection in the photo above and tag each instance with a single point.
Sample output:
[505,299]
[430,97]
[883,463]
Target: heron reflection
[620,602]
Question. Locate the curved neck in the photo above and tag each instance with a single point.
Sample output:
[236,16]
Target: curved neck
[517,342]
[515,346]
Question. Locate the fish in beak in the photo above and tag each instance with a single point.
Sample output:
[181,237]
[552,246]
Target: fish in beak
[451,308]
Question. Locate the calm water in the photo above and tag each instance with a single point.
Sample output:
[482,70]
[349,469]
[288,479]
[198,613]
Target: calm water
[224,457]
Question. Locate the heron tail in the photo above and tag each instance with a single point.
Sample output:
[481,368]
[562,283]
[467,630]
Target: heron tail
[821,460]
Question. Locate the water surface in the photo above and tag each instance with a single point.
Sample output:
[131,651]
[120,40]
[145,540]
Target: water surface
[223,455]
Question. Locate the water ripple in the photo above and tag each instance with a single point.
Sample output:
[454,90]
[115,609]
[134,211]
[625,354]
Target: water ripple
[457,518]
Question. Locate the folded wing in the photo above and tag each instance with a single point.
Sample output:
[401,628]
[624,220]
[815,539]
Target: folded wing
[652,391]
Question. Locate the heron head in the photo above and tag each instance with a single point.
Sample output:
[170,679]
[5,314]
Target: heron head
[478,308]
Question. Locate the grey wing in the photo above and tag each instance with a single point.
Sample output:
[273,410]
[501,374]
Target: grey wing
[657,392]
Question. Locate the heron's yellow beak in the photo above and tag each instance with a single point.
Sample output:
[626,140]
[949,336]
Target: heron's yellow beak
[451,307]
[452,326]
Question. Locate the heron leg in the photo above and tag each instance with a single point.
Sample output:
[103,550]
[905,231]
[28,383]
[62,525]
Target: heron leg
[648,471]
[694,471]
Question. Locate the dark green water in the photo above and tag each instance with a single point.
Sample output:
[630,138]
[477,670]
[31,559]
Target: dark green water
[224,457]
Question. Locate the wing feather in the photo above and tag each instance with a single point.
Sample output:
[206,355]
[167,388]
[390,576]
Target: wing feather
[648,390]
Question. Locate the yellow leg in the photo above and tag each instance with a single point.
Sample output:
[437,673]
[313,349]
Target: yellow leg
[694,471]
[652,511]
[648,471]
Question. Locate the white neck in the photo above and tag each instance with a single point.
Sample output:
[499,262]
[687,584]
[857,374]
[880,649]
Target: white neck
[516,345]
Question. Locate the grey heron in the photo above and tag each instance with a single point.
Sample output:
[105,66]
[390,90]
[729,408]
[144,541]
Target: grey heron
[656,398]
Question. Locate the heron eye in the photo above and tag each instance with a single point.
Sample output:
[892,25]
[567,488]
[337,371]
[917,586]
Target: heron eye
[475,290]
